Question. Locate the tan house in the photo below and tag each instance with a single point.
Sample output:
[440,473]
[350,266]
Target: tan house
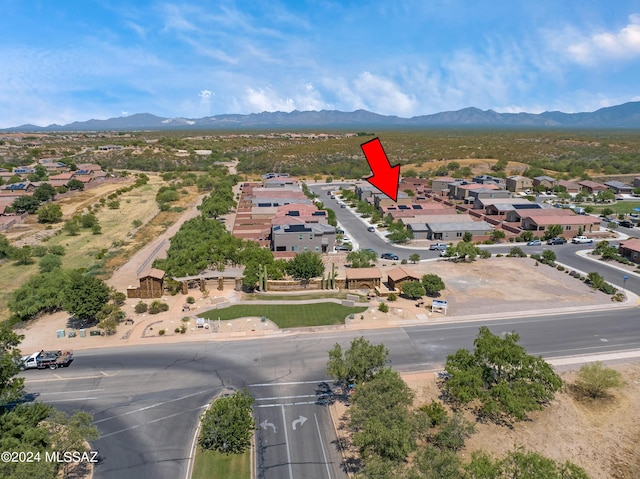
[570,223]
[517,183]
[593,186]
[399,275]
[630,249]
[151,285]
[363,278]
[570,187]
[545,181]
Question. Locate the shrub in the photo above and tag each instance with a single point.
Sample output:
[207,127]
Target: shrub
[392,297]
[186,319]
[403,261]
[595,380]
[560,268]
[517,252]
[141,308]
[191,299]
[383,308]
[484,254]
[177,330]
[161,332]
[183,329]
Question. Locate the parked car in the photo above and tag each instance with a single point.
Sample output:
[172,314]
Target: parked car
[371,229]
[581,240]
[626,224]
[343,205]
[438,246]
[344,248]
[389,256]
[556,240]
[535,242]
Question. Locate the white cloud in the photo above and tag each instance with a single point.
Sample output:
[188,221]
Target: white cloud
[604,46]
[304,97]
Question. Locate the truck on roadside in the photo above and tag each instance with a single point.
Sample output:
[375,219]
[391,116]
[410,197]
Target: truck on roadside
[581,240]
[47,359]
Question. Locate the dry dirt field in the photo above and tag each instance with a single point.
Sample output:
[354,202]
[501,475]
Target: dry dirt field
[601,437]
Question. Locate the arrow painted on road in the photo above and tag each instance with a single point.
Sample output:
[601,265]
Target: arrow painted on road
[264,424]
[385,177]
[301,420]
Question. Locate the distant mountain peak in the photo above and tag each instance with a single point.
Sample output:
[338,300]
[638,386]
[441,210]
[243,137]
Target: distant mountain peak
[626,115]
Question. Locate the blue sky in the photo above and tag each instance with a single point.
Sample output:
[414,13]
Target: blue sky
[71,60]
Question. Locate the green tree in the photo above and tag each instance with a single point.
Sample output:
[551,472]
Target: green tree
[595,380]
[49,262]
[517,252]
[414,257]
[71,228]
[361,258]
[25,204]
[306,265]
[75,184]
[433,284]
[379,417]
[465,250]
[11,386]
[507,382]
[87,220]
[228,425]
[467,237]
[71,432]
[453,433]
[413,289]
[42,293]
[433,463]
[607,211]
[49,213]
[23,255]
[44,192]
[497,235]
[552,231]
[84,296]
[6,250]
[549,256]
[361,362]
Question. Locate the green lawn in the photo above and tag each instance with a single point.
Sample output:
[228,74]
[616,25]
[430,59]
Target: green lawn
[624,207]
[288,315]
[213,465]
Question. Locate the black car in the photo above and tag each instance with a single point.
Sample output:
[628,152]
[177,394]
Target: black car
[389,256]
[556,241]
[626,224]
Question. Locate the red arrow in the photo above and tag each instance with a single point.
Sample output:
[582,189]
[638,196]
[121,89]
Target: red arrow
[385,177]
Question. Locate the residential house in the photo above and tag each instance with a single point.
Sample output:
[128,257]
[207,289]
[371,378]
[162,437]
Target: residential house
[636,181]
[316,237]
[544,181]
[518,183]
[452,231]
[110,148]
[440,185]
[570,224]
[401,274]
[60,179]
[459,190]
[476,196]
[570,187]
[23,170]
[488,179]
[619,187]
[365,191]
[502,206]
[593,187]
[417,185]
[630,249]
[518,213]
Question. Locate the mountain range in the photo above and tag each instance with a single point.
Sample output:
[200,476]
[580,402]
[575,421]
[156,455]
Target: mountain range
[625,116]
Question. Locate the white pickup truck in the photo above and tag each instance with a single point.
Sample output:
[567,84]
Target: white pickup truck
[581,240]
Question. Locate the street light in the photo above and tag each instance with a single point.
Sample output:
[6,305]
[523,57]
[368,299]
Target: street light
[624,284]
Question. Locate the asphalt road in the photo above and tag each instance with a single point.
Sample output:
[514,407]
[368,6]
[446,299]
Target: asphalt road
[146,400]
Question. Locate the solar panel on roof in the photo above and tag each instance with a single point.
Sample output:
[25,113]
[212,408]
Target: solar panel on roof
[319,213]
[417,207]
[297,228]
[403,207]
[294,213]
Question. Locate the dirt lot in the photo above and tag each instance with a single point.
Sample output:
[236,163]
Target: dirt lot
[600,437]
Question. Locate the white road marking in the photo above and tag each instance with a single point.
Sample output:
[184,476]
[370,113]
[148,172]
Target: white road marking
[324,454]
[287,404]
[286,440]
[290,383]
[286,397]
[73,392]
[148,422]
[148,407]
[68,400]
